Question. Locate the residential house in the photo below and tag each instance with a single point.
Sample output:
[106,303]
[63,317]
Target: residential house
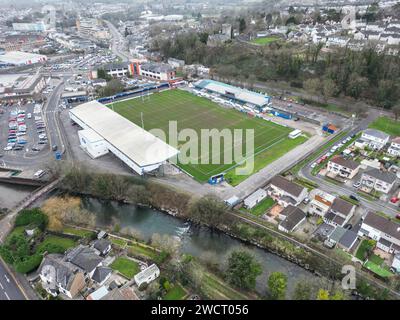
[394,148]
[286,192]
[321,203]
[345,168]
[103,246]
[294,217]
[98,294]
[343,238]
[375,139]
[375,179]
[340,212]
[125,293]
[348,240]
[383,230]
[252,200]
[101,274]
[396,263]
[339,41]
[147,275]
[60,276]
[372,35]
[394,39]
[85,258]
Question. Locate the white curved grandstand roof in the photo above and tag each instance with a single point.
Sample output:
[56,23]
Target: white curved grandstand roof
[137,144]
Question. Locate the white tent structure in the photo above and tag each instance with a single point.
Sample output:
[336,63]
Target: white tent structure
[137,148]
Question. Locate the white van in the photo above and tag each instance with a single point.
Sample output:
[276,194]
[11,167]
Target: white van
[39,174]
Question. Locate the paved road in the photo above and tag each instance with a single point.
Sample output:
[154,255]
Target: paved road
[9,290]
[282,164]
[114,46]
[329,187]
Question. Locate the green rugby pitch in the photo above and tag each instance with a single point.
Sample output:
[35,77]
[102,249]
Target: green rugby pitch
[192,112]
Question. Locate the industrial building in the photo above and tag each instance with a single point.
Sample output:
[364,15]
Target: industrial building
[74,97]
[237,94]
[157,71]
[19,58]
[106,131]
[29,27]
[116,70]
[21,86]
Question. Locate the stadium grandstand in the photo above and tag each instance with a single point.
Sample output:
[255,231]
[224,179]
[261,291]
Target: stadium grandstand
[106,131]
[237,94]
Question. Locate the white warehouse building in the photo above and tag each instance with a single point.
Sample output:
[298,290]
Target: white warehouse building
[106,131]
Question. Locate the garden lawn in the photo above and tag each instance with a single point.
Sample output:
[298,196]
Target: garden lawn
[363,247]
[380,271]
[376,259]
[264,40]
[78,232]
[197,113]
[175,293]
[262,207]
[118,242]
[64,243]
[386,124]
[127,267]
[142,251]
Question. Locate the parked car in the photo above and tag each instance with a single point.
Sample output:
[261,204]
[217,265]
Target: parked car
[394,200]
[354,198]
[314,165]
[357,184]
[8,148]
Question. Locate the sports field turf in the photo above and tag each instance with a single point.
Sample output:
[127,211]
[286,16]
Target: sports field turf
[264,40]
[386,124]
[193,112]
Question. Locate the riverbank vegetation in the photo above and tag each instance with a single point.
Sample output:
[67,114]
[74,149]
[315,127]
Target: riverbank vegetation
[208,211]
[29,240]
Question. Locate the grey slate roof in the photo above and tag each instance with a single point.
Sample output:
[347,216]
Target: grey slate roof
[388,177]
[383,224]
[342,206]
[348,239]
[64,271]
[101,273]
[293,217]
[376,133]
[102,245]
[347,163]
[156,67]
[84,257]
[337,234]
[286,185]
